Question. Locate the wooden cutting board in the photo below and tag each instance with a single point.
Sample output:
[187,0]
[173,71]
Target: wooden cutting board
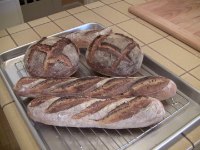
[180,18]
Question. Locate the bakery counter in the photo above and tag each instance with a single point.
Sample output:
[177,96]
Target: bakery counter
[174,55]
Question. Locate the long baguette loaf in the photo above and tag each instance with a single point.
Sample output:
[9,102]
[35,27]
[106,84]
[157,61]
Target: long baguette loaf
[113,113]
[114,55]
[97,87]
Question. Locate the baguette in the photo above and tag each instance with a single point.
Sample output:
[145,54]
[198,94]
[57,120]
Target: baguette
[97,87]
[112,113]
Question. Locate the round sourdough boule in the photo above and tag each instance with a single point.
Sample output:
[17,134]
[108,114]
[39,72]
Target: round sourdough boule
[52,57]
[114,55]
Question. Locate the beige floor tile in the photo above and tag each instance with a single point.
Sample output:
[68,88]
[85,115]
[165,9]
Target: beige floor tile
[59,15]
[77,9]
[109,1]
[135,2]
[25,37]
[164,34]
[39,21]
[3,33]
[19,127]
[191,80]
[18,28]
[118,30]
[47,29]
[140,31]
[196,72]
[89,16]
[185,46]
[194,135]
[181,144]
[94,5]
[123,8]
[68,22]
[108,13]
[176,54]
[6,43]
[163,61]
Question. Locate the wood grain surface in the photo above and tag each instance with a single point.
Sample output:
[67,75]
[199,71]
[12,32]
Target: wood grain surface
[7,139]
[180,18]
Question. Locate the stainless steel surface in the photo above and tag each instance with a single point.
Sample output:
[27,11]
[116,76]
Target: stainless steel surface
[182,111]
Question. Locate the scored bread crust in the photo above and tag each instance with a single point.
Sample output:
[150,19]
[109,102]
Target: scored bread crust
[83,38]
[114,55]
[119,113]
[97,87]
[52,57]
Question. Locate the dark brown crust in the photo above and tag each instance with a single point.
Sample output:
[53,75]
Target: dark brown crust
[37,101]
[125,110]
[80,86]
[64,103]
[111,88]
[95,107]
[99,45]
[42,60]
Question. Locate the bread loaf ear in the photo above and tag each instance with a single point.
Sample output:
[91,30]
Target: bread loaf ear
[114,55]
[53,57]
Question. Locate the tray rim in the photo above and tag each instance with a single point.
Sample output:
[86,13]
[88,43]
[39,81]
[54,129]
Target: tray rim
[28,121]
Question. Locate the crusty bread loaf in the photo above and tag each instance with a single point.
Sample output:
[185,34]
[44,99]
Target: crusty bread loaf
[97,87]
[53,57]
[113,113]
[83,38]
[114,55]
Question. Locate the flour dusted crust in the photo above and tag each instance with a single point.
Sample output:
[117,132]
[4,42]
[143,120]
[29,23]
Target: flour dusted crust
[53,57]
[98,87]
[114,55]
[113,113]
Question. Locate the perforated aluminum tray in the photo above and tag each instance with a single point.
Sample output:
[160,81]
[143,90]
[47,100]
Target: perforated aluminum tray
[52,137]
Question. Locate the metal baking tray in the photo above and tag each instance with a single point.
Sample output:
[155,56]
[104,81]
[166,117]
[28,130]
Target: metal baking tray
[183,110]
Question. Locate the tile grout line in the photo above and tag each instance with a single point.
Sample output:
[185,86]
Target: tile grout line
[28,28]
[4,35]
[131,35]
[39,24]
[122,12]
[7,104]
[182,46]
[56,24]
[135,19]
[136,4]
[95,7]
[10,35]
[188,140]
[35,32]
[77,12]
[165,56]
[111,2]
[94,13]
[190,73]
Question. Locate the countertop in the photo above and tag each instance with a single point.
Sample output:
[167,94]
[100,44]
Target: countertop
[176,56]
